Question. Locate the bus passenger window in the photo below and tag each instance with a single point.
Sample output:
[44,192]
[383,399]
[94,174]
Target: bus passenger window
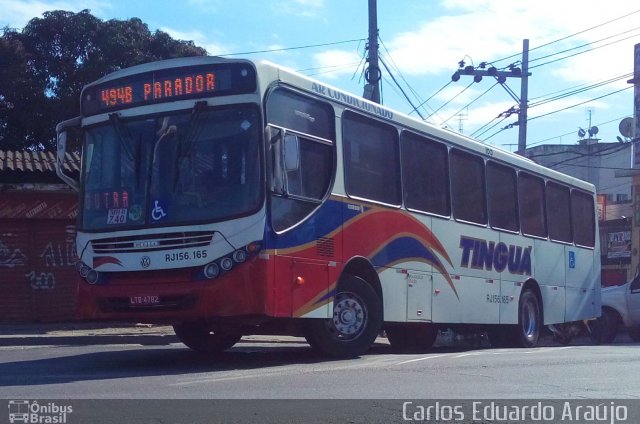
[371,159]
[468,194]
[426,188]
[558,216]
[583,218]
[531,205]
[501,192]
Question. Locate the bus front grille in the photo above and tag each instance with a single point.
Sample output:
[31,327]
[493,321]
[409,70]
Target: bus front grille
[152,242]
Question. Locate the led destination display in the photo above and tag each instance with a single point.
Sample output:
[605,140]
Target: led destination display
[168,85]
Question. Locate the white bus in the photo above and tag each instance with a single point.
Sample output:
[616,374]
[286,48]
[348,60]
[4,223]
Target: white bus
[228,198]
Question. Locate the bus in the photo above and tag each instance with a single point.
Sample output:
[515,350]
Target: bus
[229,198]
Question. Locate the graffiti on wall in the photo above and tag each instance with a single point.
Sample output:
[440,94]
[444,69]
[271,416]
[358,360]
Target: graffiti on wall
[9,257]
[55,254]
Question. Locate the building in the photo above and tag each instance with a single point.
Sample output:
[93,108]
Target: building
[597,163]
[37,239]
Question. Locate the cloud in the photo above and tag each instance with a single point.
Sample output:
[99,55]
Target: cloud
[199,39]
[487,30]
[17,13]
[334,63]
[301,8]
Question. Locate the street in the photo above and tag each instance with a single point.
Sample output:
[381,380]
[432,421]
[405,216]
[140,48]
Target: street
[286,368]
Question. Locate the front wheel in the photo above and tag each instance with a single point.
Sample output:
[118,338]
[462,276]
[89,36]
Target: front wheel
[356,321]
[201,338]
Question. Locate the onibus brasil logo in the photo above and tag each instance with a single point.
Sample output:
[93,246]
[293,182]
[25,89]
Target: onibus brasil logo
[32,412]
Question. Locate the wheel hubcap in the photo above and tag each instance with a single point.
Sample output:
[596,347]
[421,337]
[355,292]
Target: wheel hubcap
[349,316]
[529,321]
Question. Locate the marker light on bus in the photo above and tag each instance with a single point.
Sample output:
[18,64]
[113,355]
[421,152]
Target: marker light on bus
[84,270]
[226,264]
[239,256]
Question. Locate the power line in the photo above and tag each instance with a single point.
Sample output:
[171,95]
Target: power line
[469,104]
[451,99]
[572,35]
[579,104]
[294,48]
[573,132]
[587,84]
[578,91]
[397,84]
[585,51]
[584,45]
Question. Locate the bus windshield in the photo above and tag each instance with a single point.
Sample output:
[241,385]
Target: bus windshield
[199,165]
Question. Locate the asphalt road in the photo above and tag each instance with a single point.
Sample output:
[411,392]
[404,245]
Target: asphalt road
[151,364]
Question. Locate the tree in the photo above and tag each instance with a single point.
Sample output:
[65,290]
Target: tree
[44,67]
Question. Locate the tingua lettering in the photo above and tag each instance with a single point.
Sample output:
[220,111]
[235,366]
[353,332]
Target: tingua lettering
[489,255]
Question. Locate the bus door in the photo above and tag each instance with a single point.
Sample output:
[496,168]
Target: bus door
[301,152]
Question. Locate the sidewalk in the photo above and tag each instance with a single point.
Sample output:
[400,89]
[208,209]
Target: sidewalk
[81,333]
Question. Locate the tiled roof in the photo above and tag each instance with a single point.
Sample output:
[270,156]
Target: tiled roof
[15,165]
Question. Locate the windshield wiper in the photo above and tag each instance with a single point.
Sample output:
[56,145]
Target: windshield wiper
[186,145]
[124,140]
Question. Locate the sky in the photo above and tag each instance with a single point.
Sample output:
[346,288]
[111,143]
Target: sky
[580,53]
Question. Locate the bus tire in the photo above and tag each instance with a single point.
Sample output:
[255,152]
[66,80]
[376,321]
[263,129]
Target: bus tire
[199,337]
[356,321]
[605,328]
[527,332]
[412,337]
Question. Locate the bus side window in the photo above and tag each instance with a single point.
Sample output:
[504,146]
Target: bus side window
[559,216]
[426,188]
[468,194]
[531,201]
[583,218]
[501,193]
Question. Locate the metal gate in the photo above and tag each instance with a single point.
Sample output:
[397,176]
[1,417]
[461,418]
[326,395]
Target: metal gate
[37,257]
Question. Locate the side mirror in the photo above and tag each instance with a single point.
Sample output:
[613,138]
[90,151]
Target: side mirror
[61,157]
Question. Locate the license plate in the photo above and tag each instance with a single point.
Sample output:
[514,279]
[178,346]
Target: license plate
[144,300]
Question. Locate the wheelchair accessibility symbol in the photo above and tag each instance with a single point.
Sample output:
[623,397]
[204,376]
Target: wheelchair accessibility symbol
[157,213]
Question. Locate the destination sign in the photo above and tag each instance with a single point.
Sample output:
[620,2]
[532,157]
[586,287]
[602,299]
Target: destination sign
[167,85]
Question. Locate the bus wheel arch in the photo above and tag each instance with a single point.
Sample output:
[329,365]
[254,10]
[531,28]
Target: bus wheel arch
[356,319]
[361,267]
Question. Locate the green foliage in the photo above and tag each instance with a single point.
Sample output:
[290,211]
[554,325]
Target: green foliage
[44,67]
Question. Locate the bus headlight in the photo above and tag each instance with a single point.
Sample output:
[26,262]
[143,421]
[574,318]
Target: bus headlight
[92,276]
[211,270]
[226,264]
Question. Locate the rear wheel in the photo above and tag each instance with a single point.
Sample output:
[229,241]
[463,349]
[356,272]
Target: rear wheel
[527,332]
[412,337]
[356,321]
[529,320]
[201,338]
[605,328]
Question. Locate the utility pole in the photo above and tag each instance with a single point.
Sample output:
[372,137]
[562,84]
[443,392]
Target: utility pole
[524,100]
[501,76]
[635,158]
[372,73]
